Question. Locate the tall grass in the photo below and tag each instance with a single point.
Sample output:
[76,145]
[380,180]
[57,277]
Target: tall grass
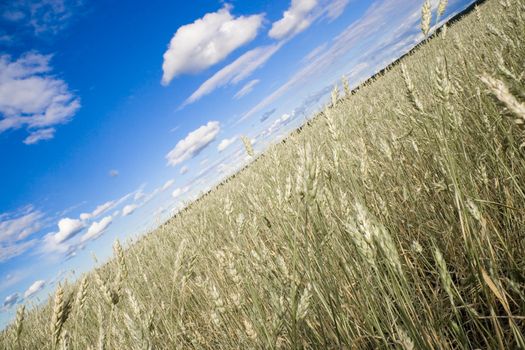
[393,220]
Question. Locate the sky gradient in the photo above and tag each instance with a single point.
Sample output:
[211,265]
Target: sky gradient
[115,114]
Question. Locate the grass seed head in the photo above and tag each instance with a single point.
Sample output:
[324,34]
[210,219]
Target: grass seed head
[442,6]
[59,315]
[499,89]
[248,145]
[426,17]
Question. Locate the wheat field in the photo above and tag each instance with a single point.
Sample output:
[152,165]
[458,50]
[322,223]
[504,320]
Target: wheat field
[393,220]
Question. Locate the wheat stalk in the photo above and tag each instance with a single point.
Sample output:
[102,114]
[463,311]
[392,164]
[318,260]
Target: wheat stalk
[499,89]
[346,86]
[426,17]
[19,323]
[335,95]
[58,317]
[411,93]
[442,6]
[248,145]
[81,297]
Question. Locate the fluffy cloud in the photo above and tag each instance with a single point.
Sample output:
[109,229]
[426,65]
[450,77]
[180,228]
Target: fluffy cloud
[178,191]
[11,300]
[96,229]
[193,143]
[67,228]
[226,143]
[207,41]
[296,19]
[129,209]
[34,288]
[246,89]
[236,71]
[30,97]
[388,22]
[184,170]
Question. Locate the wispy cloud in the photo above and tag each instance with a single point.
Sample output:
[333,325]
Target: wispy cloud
[167,184]
[295,19]
[34,288]
[236,71]
[32,98]
[335,8]
[41,17]
[374,28]
[267,114]
[180,191]
[225,143]
[129,209]
[193,143]
[11,300]
[207,41]
[16,230]
[40,135]
[97,229]
[246,89]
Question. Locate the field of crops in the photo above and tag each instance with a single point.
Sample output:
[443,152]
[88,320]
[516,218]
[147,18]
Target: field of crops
[394,219]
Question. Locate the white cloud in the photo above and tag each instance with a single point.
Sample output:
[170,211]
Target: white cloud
[96,229]
[179,191]
[207,41]
[34,288]
[41,16]
[385,23]
[67,228]
[129,209]
[103,208]
[139,195]
[226,143]
[10,250]
[184,170]
[11,300]
[193,143]
[278,124]
[167,184]
[296,19]
[113,173]
[32,98]
[236,71]
[40,135]
[336,8]
[246,89]
[23,225]
[100,209]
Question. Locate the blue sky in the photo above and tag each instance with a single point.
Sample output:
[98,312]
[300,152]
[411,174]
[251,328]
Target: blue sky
[114,114]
